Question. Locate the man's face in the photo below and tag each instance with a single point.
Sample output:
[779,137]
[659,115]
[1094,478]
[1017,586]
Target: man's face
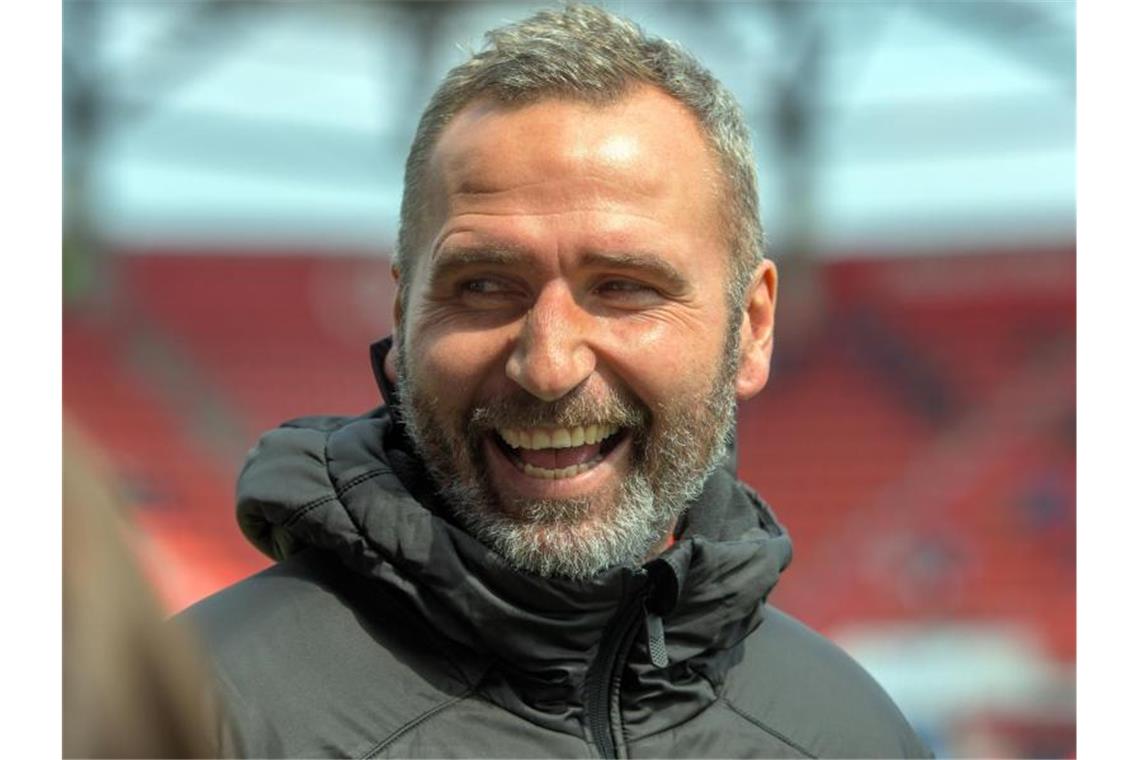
[567,359]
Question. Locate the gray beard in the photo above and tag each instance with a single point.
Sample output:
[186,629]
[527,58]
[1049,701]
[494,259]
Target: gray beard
[673,453]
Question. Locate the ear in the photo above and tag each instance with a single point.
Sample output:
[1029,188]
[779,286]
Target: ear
[397,315]
[757,323]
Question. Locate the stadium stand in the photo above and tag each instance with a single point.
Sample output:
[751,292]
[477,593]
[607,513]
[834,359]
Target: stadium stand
[181,497]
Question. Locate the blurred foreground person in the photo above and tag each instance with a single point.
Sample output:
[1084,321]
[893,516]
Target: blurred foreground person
[538,547]
[132,683]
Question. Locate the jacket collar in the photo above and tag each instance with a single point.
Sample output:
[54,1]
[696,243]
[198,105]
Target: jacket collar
[356,488]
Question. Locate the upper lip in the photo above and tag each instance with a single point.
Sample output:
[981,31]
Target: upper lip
[556,438]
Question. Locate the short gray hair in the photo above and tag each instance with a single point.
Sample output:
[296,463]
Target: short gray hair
[585,53]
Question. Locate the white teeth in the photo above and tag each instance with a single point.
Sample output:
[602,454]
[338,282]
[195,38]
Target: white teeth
[559,438]
[515,438]
[559,474]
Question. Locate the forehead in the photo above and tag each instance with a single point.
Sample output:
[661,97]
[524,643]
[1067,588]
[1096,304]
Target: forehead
[645,144]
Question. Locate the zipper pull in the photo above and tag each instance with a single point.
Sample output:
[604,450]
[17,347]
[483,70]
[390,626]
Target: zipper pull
[655,636]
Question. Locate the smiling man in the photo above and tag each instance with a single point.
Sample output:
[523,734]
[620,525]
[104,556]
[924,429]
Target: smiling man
[569,352]
[537,547]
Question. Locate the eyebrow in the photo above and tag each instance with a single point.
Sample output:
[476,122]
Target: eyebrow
[450,260]
[639,261]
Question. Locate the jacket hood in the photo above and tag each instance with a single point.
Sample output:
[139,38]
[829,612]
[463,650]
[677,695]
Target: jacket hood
[354,487]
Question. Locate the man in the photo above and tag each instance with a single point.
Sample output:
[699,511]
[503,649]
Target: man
[538,547]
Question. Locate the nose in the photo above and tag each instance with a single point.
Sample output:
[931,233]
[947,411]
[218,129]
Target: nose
[552,355]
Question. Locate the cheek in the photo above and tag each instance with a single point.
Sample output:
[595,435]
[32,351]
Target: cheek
[456,365]
[667,361]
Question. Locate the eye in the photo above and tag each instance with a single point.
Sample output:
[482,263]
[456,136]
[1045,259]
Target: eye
[627,292]
[623,286]
[484,286]
[488,292]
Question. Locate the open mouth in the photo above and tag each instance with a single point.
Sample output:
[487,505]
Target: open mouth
[558,453]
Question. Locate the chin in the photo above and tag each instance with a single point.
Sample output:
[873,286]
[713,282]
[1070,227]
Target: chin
[570,538]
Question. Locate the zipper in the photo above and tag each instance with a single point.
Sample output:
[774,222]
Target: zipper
[655,638]
[603,683]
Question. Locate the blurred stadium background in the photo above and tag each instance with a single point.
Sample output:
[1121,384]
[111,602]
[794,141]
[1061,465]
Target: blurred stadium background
[232,180]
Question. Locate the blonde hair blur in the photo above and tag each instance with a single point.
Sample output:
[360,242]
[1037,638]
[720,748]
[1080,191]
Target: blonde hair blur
[133,684]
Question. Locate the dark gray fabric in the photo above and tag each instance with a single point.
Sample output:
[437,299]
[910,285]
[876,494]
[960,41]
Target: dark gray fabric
[386,631]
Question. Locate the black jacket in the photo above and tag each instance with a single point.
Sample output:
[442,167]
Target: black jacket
[386,631]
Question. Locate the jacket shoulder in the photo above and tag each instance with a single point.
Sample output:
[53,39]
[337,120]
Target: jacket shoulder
[799,686]
[313,661]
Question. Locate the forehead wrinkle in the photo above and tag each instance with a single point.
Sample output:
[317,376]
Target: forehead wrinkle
[558,212]
[480,184]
